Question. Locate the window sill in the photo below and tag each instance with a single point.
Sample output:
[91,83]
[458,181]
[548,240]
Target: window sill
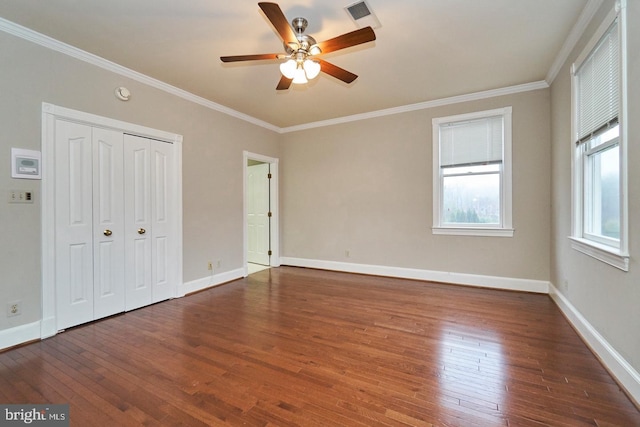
[600,252]
[469,231]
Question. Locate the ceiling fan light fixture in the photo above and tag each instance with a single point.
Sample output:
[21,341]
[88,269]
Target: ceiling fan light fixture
[315,50]
[311,68]
[300,77]
[288,68]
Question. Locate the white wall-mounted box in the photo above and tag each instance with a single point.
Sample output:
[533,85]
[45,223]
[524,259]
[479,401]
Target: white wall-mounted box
[25,164]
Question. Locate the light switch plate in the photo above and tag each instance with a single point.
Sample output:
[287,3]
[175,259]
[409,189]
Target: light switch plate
[20,196]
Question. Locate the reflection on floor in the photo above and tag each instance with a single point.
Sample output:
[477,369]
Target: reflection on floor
[254,268]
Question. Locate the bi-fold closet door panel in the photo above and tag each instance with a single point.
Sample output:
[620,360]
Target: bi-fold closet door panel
[138,222]
[108,223]
[115,239]
[164,253]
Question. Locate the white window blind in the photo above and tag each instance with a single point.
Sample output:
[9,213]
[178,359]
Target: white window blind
[474,142]
[598,85]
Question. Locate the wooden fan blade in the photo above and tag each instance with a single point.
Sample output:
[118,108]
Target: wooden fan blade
[335,71]
[279,22]
[353,38]
[284,83]
[238,58]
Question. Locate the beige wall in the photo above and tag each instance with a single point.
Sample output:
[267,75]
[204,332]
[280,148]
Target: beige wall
[607,297]
[366,187]
[212,162]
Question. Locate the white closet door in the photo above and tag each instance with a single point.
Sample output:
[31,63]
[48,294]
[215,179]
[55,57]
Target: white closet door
[115,216]
[108,223]
[74,224]
[137,155]
[164,244]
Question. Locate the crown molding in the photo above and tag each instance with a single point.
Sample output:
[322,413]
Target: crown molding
[422,105]
[58,46]
[576,32]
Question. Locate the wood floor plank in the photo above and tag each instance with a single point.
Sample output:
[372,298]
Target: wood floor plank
[301,347]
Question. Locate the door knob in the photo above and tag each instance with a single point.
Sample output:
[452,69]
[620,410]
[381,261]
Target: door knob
[107,232]
[141,231]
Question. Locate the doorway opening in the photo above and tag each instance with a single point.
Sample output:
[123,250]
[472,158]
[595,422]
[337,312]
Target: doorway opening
[260,188]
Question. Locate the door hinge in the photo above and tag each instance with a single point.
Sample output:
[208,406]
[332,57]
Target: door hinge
[269,214]
[268,176]
[269,253]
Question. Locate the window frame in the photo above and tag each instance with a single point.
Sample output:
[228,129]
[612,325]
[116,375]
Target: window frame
[615,252]
[504,228]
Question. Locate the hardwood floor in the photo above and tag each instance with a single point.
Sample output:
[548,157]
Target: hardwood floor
[290,346]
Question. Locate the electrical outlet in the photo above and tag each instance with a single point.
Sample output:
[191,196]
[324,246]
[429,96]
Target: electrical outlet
[210,266]
[347,253]
[14,308]
[219,263]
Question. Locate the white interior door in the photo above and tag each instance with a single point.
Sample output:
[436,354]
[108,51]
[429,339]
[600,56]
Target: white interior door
[116,244]
[257,214]
[108,223]
[137,194]
[73,224]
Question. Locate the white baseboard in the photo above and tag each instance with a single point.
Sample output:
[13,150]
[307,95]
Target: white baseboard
[627,377]
[19,335]
[495,282]
[213,280]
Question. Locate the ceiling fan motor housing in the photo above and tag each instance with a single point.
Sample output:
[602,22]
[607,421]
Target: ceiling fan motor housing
[305,41]
[299,24]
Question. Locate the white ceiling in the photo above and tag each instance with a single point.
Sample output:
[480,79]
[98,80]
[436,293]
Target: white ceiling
[425,49]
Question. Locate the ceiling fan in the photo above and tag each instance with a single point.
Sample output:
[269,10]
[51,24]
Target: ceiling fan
[302,50]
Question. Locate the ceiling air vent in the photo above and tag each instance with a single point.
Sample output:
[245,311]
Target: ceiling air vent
[362,15]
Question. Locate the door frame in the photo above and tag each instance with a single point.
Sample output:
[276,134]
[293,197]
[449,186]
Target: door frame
[51,113]
[274,229]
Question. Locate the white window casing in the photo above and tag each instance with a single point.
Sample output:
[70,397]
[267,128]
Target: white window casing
[473,146]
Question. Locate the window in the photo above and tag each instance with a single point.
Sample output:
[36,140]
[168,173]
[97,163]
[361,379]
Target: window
[472,174]
[599,161]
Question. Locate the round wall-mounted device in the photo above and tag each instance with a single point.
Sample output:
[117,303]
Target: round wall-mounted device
[123,94]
